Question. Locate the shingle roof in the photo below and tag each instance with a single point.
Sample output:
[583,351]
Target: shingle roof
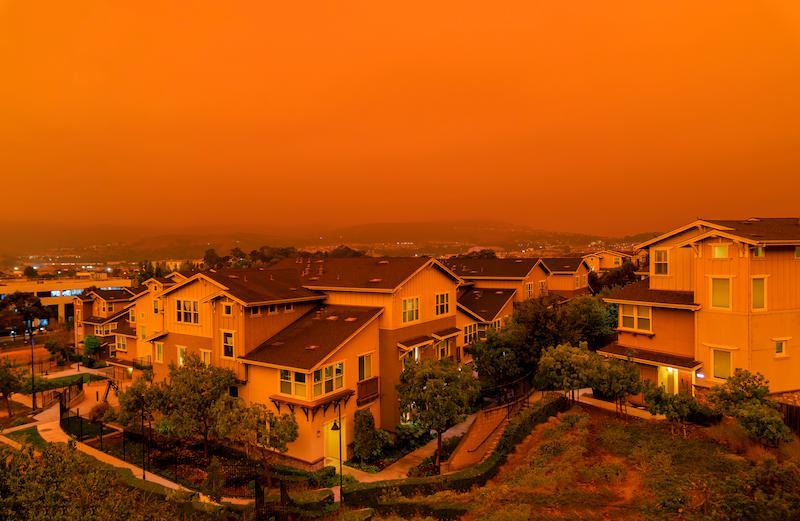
[485,302]
[114,294]
[640,292]
[252,285]
[478,268]
[562,264]
[763,228]
[618,351]
[384,273]
[310,339]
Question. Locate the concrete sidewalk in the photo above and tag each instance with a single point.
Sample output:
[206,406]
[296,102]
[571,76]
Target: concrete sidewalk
[585,397]
[399,469]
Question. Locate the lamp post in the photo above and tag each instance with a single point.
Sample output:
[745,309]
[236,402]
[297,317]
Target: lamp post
[337,427]
[33,380]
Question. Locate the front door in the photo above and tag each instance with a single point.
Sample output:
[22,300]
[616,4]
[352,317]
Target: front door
[331,440]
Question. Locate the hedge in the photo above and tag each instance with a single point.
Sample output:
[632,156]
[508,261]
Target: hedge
[408,510]
[369,494]
[324,477]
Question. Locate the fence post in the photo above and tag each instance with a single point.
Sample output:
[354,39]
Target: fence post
[80,421]
[101,436]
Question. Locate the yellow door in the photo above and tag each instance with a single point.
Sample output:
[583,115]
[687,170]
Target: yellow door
[332,440]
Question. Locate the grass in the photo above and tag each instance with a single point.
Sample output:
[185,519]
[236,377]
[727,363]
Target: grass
[29,436]
[46,384]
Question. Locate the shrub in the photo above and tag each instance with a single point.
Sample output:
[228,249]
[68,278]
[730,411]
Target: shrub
[410,435]
[763,423]
[369,443]
[98,412]
[215,481]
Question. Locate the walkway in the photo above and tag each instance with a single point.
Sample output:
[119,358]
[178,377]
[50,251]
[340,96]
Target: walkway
[399,469]
[585,397]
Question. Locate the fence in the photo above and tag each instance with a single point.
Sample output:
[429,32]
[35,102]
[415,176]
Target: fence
[791,416]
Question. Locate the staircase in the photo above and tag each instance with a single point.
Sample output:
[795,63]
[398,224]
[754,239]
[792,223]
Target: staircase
[485,433]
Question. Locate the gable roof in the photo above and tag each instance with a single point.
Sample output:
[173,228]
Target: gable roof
[563,264]
[492,268]
[382,274]
[757,230]
[485,303]
[312,338]
[611,252]
[113,295]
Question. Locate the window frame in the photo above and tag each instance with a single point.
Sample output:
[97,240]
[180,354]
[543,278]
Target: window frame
[442,304]
[656,262]
[440,345]
[124,343]
[712,278]
[361,366]
[156,308]
[203,354]
[754,252]
[637,317]
[227,309]
[324,379]
[415,310]
[158,352]
[470,333]
[193,312]
[181,352]
[232,344]
[753,308]
[714,352]
[714,251]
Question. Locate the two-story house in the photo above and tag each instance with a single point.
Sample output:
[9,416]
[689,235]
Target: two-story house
[605,260]
[481,310]
[104,313]
[721,295]
[567,277]
[528,277]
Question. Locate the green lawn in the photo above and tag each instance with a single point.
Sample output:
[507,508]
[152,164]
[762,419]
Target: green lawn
[28,436]
[46,384]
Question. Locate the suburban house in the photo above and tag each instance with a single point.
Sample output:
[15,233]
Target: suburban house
[721,295]
[605,260]
[567,277]
[526,276]
[481,310]
[104,313]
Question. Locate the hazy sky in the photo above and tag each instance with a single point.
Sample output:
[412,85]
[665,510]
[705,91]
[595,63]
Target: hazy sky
[586,115]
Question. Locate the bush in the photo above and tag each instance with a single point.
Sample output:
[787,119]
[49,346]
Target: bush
[411,435]
[215,481]
[763,423]
[369,443]
[98,412]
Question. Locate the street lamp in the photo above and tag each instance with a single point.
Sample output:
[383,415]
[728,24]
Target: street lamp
[33,380]
[337,427]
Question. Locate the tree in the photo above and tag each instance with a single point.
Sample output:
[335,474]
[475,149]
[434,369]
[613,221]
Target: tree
[763,423]
[567,368]
[239,258]
[215,481]
[11,381]
[767,491]
[211,259]
[590,320]
[91,345]
[343,251]
[368,442]
[615,278]
[546,325]
[189,401]
[742,387]
[503,356]
[139,401]
[616,380]
[676,407]
[438,394]
[30,272]
[24,309]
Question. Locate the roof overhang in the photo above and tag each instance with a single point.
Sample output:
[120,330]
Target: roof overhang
[446,333]
[689,307]
[650,357]
[696,224]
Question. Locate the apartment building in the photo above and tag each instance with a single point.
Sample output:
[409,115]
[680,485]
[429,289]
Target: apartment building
[720,295]
[567,277]
[104,313]
[526,276]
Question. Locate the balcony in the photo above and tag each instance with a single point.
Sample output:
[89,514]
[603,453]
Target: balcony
[368,390]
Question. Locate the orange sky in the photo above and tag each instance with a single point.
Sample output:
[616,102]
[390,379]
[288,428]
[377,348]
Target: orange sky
[598,116]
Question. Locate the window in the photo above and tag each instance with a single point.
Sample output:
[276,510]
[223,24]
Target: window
[155,306]
[780,348]
[529,290]
[143,332]
[797,252]
[328,379]
[410,309]
[205,356]
[233,391]
[159,352]
[722,364]
[719,251]
[272,309]
[181,355]
[443,349]
[636,317]
[300,384]
[470,333]
[758,252]
[288,308]
[759,293]
[584,280]
[721,293]
[255,311]
[442,303]
[187,311]
[660,262]
[109,307]
[364,367]
[132,315]
[542,286]
[286,381]
[122,343]
[227,309]
[617,261]
[227,344]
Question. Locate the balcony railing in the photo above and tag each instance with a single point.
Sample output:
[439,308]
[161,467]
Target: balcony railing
[368,390]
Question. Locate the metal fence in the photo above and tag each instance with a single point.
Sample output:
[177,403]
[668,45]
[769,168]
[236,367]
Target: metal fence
[791,416]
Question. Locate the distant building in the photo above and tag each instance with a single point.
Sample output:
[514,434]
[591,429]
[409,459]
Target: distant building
[567,277]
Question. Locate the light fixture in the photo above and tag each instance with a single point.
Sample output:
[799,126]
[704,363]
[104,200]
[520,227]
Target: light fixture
[335,426]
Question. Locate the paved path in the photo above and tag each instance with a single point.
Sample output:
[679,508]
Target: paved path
[399,469]
[585,397]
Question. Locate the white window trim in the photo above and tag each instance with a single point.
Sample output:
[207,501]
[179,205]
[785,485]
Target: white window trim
[730,292]
[222,344]
[667,274]
[371,354]
[756,257]
[753,309]
[403,312]
[181,359]
[713,369]
[721,245]
[156,357]
[229,306]
[785,340]
[204,352]
[333,373]
[445,303]
[191,312]
[636,318]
